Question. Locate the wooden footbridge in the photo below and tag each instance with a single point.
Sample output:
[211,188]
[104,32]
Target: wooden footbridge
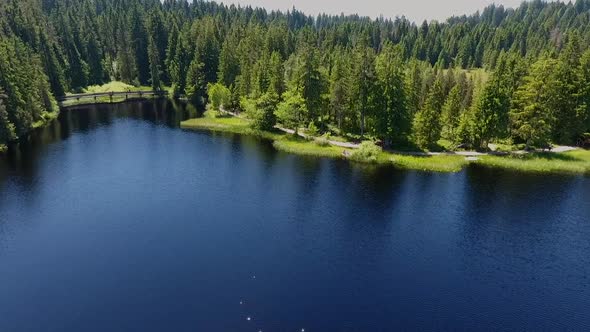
[111,95]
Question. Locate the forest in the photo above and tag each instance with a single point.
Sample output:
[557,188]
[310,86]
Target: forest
[514,76]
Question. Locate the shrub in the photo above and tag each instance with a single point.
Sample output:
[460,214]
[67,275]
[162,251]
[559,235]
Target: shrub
[322,141]
[219,95]
[367,152]
[312,129]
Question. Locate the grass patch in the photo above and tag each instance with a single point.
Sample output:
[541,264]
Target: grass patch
[292,144]
[577,162]
[229,124]
[442,163]
[3,148]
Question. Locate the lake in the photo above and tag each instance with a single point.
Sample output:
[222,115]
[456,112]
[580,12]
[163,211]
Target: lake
[114,219]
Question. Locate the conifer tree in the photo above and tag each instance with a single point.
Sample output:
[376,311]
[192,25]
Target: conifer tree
[531,116]
[427,126]
[195,81]
[393,119]
[451,113]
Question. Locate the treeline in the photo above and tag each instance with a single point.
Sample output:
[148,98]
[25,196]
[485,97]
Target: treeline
[388,78]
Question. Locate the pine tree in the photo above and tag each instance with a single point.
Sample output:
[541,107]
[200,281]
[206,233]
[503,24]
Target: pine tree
[126,64]
[7,130]
[451,113]
[569,122]
[276,80]
[427,126]
[229,64]
[195,81]
[414,86]
[155,71]
[584,93]
[139,42]
[157,43]
[531,116]
[492,107]
[52,66]
[363,84]
[340,89]
[393,120]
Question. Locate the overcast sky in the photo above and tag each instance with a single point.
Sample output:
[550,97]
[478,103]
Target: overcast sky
[416,10]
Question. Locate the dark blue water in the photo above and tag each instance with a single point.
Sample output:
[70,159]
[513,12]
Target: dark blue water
[113,219]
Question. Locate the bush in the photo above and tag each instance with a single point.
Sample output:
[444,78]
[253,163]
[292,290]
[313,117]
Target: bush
[219,95]
[367,152]
[312,129]
[322,141]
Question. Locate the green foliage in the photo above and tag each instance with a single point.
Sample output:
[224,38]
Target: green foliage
[292,111]
[27,91]
[340,93]
[195,81]
[7,129]
[219,95]
[532,116]
[312,129]
[385,78]
[263,113]
[367,152]
[583,108]
[427,127]
[393,121]
[451,113]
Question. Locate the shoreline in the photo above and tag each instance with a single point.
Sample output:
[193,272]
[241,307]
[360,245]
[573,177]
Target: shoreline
[575,162]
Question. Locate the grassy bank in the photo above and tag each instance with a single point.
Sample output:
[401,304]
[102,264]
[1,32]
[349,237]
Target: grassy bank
[573,162]
[296,145]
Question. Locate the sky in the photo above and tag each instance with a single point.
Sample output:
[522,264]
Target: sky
[415,10]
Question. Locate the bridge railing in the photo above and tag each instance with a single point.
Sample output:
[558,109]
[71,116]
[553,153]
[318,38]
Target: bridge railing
[79,96]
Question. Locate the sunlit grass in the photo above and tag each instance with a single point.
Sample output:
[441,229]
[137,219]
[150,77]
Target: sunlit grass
[577,161]
[227,124]
[308,148]
[441,163]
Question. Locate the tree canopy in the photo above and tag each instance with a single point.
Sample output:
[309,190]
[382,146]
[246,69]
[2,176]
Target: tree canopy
[470,79]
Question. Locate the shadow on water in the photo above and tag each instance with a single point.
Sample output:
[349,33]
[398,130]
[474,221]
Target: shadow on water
[83,118]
